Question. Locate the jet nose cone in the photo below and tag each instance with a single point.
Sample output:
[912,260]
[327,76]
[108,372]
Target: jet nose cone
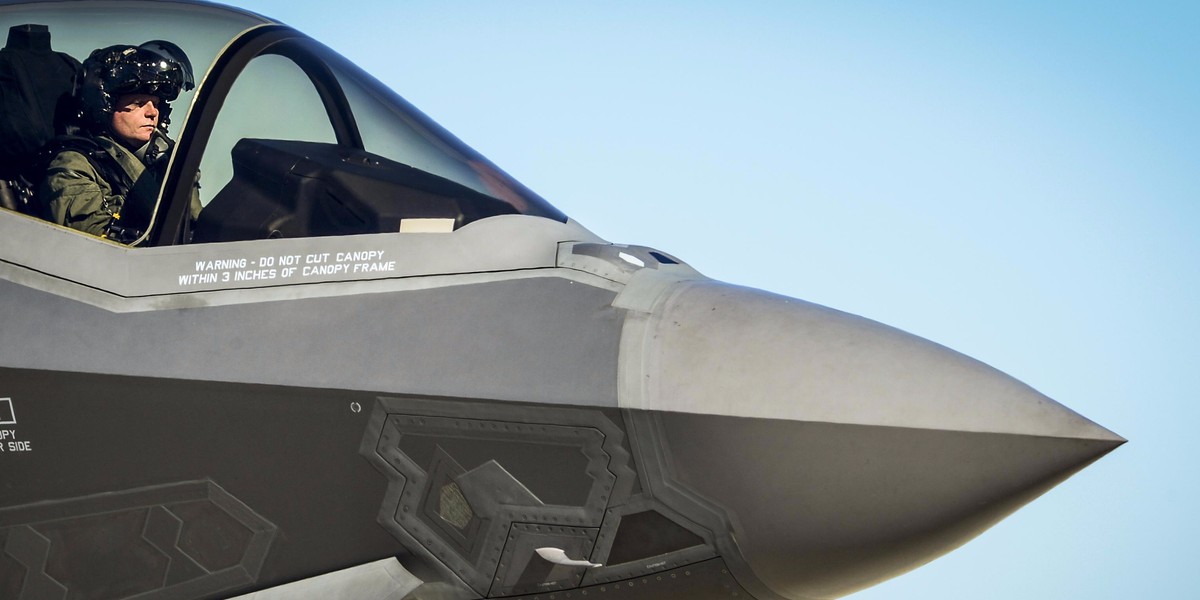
[844,451]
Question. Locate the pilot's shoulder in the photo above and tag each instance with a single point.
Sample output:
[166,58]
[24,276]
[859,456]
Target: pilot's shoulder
[70,164]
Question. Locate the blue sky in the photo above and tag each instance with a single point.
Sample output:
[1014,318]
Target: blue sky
[1017,181]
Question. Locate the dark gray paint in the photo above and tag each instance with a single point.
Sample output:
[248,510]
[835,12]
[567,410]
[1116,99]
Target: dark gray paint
[837,508]
[174,565]
[511,430]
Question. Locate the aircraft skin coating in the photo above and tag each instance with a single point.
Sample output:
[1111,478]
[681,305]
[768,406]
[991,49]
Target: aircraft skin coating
[378,367]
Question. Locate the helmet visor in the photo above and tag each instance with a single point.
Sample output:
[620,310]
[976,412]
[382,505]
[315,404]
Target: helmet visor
[145,73]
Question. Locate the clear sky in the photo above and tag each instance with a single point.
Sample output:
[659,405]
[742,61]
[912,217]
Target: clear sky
[1018,181]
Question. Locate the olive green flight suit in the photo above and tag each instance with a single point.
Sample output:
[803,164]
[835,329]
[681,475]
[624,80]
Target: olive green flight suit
[78,197]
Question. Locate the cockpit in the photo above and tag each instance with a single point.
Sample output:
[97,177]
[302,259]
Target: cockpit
[286,138]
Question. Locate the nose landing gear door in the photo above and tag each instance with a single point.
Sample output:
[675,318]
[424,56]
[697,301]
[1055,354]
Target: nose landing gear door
[481,488]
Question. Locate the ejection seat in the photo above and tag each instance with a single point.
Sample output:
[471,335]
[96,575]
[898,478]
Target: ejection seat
[36,104]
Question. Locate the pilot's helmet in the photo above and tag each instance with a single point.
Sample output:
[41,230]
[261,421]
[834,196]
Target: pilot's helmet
[157,67]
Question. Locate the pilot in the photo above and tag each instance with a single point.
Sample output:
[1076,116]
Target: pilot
[106,181]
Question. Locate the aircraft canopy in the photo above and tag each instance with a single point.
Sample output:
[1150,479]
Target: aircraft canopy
[287,138]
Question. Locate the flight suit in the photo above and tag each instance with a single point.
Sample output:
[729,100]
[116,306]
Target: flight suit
[78,196]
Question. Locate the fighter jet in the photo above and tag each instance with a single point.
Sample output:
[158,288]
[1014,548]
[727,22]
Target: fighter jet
[376,366]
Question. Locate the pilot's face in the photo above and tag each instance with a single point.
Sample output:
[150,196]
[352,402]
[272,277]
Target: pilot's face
[134,119]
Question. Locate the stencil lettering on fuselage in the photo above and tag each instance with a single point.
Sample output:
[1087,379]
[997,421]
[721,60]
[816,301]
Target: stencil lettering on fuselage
[9,441]
[287,268]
